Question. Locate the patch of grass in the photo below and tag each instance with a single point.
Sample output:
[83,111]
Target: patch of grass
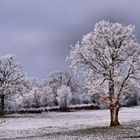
[118,132]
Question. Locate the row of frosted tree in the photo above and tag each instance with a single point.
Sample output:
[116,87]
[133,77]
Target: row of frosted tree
[104,70]
[17,91]
[58,89]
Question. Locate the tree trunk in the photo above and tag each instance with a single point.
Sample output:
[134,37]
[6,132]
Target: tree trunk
[2,105]
[114,111]
[114,107]
[63,105]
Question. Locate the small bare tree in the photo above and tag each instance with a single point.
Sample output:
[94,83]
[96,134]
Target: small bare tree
[64,97]
[58,79]
[109,59]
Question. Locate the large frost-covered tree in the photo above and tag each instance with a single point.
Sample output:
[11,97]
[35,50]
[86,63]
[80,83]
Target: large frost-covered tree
[109,59]
[10,77]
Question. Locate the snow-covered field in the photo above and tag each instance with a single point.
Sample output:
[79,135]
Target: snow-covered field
[82,125]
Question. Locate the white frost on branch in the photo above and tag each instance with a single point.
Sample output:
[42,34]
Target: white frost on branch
[11,74]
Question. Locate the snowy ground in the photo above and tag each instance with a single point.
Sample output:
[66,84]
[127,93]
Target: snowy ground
[82,125]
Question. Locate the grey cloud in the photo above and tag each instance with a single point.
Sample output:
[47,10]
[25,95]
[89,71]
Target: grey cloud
[40,32]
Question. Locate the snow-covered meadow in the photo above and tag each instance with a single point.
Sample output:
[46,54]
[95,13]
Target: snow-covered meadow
[70,125]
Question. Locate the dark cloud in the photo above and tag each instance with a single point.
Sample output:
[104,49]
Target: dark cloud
[40,32]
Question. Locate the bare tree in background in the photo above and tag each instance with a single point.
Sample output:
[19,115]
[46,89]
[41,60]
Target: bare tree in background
[64,97]
[59,78]
[109,59]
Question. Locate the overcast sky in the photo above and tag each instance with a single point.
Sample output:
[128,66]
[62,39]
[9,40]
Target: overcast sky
[40,32]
